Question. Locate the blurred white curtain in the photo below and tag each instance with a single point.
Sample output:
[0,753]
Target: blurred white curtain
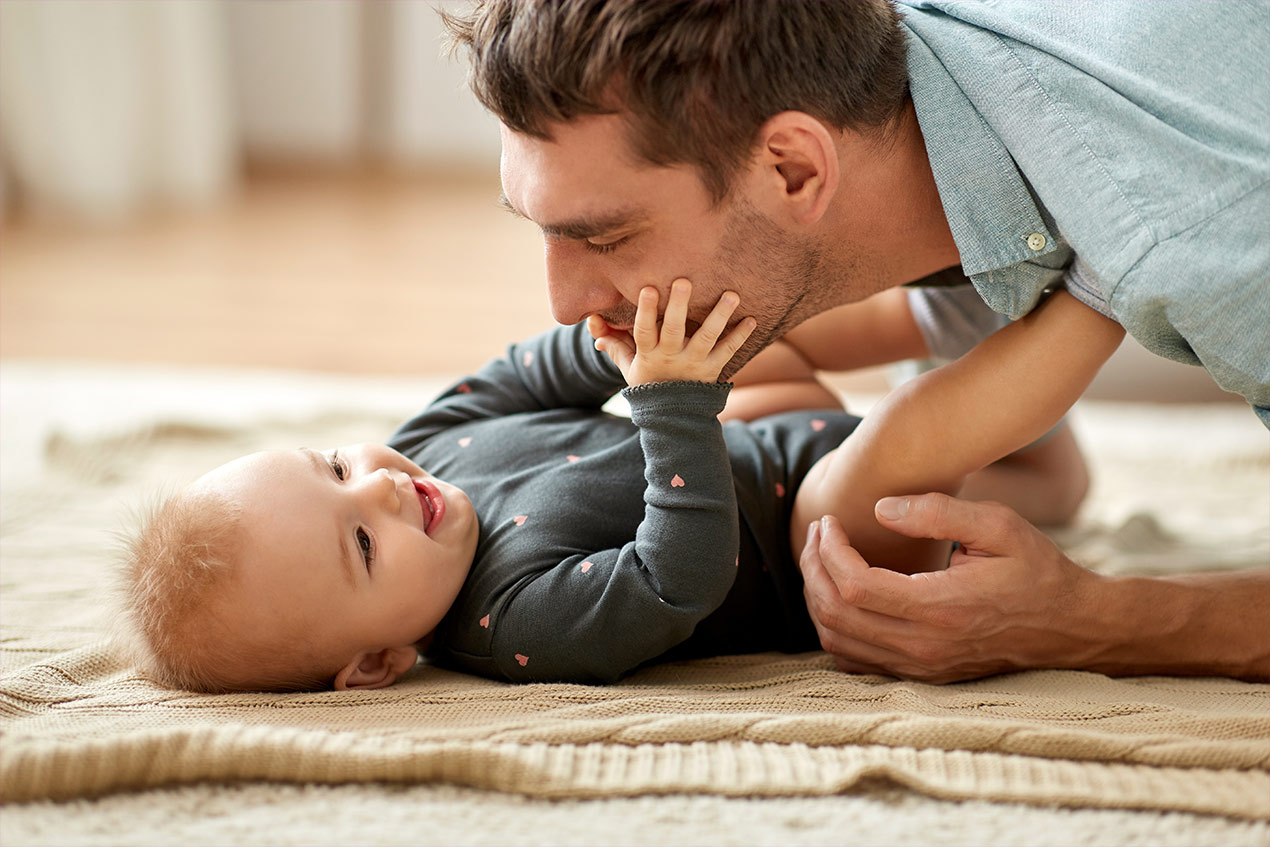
[109,106]
[106,106]
[419,109]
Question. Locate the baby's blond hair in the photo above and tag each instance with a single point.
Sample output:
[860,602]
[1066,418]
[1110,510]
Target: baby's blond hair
[172,592]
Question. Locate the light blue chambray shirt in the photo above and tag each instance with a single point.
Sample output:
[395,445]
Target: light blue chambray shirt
[1119,148]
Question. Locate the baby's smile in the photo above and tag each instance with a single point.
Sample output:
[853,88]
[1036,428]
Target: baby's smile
[432,504]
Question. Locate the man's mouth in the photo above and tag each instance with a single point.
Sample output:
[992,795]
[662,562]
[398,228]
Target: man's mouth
[431,503]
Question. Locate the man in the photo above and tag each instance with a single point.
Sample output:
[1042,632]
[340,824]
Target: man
[813,154]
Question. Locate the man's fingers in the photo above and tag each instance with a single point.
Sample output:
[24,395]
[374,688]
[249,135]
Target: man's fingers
[818,585]
[879,590]
[835,551]
[846,631]
[856,655]
[988,527]
[831,568]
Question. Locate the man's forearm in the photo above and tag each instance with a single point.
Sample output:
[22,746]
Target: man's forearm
[1194,625]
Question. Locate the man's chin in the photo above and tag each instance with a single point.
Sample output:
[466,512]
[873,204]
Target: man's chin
[749,350]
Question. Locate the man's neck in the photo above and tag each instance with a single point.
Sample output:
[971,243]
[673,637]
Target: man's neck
[888,208]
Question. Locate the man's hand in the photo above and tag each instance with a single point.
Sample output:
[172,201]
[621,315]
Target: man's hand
[1009,599]
[653,353]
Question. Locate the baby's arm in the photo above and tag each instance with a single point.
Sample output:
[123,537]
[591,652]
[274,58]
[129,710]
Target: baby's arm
[601,613]
[556,369]
[778,379]
[931,432]
[783,377]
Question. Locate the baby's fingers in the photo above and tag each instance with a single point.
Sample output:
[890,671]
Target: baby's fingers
[645,329]
[726,349]
[619,348]
[712,327]
[676,317]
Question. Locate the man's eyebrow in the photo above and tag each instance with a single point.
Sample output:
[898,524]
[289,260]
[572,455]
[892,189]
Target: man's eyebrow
[583,227]
[322,466]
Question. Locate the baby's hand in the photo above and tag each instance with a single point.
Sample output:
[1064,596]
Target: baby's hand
[653,354]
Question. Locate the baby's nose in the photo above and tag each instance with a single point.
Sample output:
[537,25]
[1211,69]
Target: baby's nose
[384,485]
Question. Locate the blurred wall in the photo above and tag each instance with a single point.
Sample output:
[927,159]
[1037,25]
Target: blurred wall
[112,106]
[340,81]
[104,106]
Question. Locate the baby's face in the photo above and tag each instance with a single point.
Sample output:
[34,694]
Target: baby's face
[354,549]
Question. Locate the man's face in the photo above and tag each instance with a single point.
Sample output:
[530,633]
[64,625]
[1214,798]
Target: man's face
[612,225]
[353,549]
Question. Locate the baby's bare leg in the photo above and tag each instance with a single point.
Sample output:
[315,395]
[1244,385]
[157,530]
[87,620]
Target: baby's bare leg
[1045,482]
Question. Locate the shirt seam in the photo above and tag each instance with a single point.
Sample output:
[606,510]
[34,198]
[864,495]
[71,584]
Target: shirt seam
[1084,145]
[1155,244]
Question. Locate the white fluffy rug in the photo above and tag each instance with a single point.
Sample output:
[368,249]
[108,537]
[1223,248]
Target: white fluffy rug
[1176,488]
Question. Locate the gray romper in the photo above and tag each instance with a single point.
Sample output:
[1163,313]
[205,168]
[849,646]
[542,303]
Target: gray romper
[607,543]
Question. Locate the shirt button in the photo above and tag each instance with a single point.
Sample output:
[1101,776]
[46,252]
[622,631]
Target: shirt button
[1036,242]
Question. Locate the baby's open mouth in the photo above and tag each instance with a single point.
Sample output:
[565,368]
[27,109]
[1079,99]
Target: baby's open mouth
[431,503]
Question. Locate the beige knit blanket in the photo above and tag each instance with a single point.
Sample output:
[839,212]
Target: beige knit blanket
[74,722]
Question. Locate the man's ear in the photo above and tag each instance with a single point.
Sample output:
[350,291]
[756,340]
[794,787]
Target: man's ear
[376,670]
[798,159]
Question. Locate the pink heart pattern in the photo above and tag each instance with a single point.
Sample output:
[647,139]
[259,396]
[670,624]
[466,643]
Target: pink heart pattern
[572,458]
[465,440]
[780,490]
[485,621]
[464,388]
[586,566]
[519,520]
[528,358]
[523,659]
[677,481]
[817,424]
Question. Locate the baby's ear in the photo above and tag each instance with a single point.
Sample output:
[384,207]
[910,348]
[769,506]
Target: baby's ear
[376,670]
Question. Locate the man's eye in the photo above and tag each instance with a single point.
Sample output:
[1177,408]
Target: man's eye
[602,248]
[338,467]
[367,546]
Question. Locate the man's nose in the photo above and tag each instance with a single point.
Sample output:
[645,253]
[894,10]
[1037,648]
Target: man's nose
[574,290]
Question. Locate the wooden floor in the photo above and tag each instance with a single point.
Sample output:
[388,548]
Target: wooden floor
[349,274]
[354,274]
[401,275]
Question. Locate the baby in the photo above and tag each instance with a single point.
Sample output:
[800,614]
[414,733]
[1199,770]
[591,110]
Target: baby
[593,543]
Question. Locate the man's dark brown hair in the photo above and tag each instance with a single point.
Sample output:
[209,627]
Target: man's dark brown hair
[697,78]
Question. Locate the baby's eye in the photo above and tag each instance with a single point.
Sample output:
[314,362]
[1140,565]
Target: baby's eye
[338,467]
[367,546]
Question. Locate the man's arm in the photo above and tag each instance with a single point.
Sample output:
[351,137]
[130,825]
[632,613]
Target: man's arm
[1010,600]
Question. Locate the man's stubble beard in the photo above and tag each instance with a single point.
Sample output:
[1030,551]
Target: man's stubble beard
[786,280]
